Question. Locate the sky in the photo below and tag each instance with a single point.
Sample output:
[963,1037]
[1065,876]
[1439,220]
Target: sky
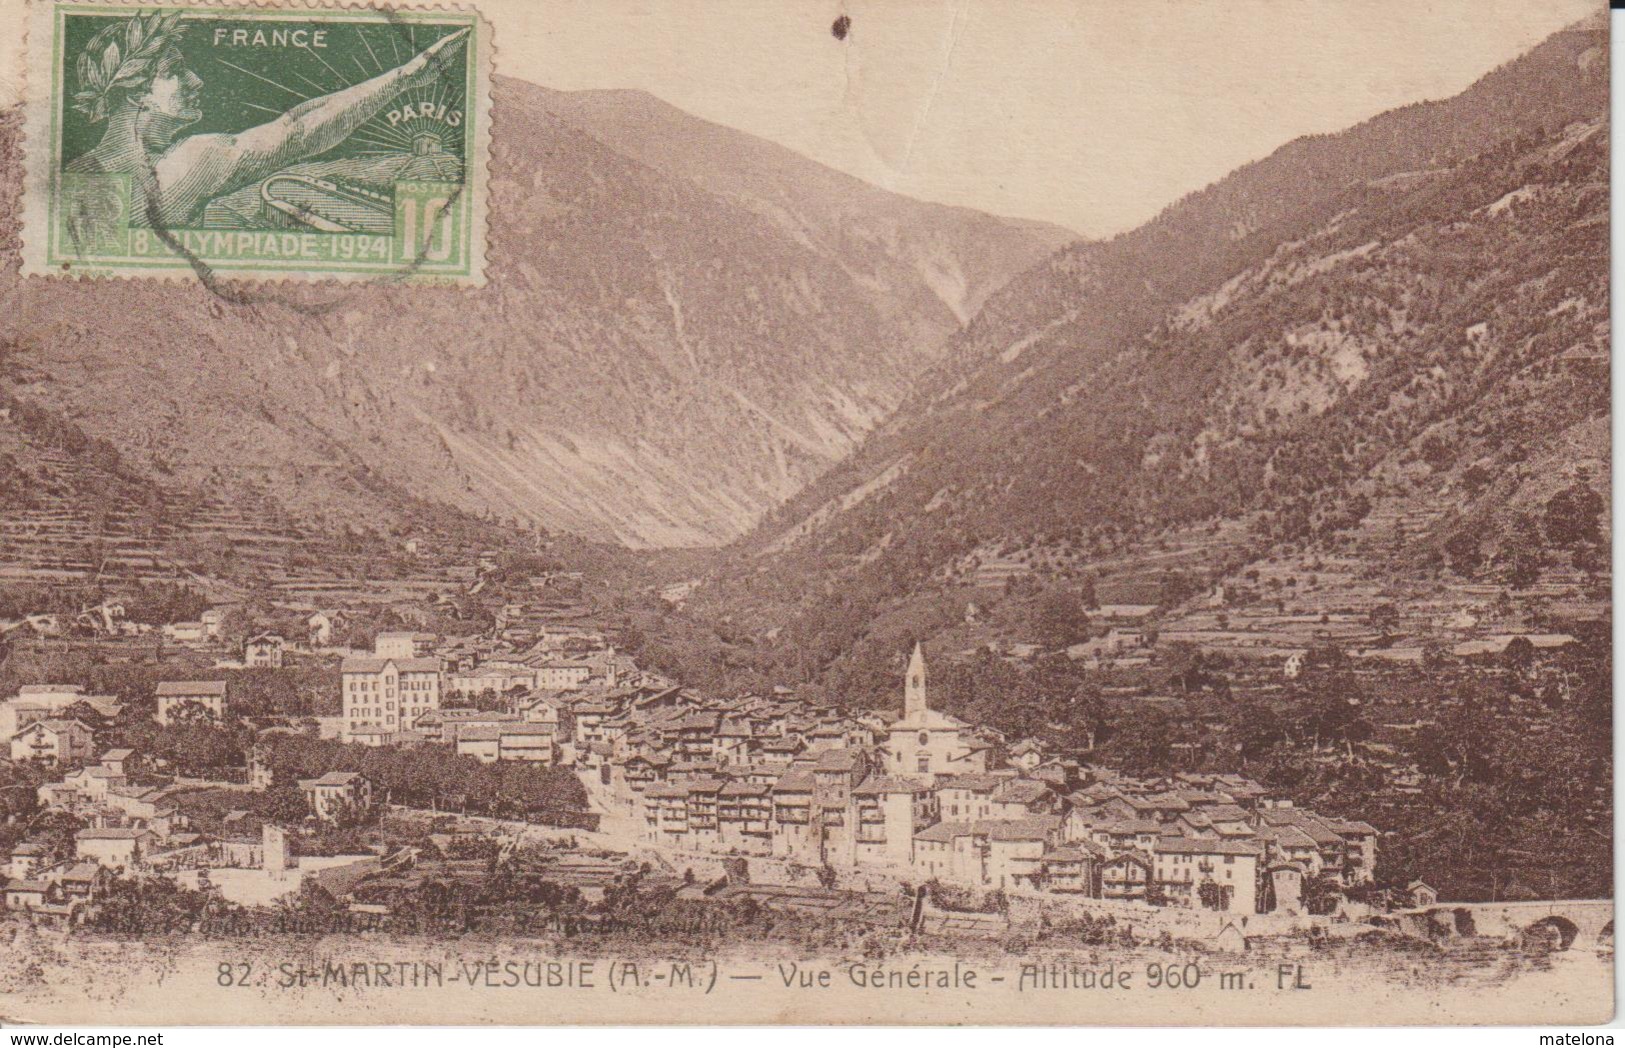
[1092,114]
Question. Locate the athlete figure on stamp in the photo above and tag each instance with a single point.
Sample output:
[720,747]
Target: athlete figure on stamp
[133,75]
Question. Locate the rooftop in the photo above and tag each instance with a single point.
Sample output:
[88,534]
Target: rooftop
[875,785]
[333,778]
[1193,846]
[191,687]
[368,664]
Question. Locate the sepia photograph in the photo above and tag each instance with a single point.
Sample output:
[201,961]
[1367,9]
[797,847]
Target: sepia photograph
[737,512]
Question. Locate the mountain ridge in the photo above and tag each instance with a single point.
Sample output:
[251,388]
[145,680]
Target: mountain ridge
[1096,405]
[777,182]
[650,363]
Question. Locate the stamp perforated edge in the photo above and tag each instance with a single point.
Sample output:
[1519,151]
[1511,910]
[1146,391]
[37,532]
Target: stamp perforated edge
[39,102]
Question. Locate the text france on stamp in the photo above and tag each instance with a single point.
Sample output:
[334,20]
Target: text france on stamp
[257,142]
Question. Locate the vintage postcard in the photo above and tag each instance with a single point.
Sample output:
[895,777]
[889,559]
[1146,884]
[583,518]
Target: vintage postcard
[278,142]
[734,511]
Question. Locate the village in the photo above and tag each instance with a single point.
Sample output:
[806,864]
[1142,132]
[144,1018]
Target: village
[357,745]
[799,802]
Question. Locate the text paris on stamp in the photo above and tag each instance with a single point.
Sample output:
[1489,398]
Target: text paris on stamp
[257,142]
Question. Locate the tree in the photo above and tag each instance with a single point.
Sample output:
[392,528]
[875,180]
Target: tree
[1574,517]
[1330,657]
[1257,730]
[236,626]
[1328,713]
[1189,667]
[1322,894]
[1519,654]
[55,830]
[198,748]
[1523,567]
[1144,744]
[1522,555]
[1060,619]
[1465,552]
[284,804]
[1457,747]
[1436,451]
[191,712]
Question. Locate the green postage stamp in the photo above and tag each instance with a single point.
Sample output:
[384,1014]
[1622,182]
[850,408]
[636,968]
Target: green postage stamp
[257,142]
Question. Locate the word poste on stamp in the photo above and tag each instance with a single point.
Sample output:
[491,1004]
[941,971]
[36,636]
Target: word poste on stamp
[261,142]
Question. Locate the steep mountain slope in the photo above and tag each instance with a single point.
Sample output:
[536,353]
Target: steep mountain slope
[651,362]
[1358,317]
[962,256]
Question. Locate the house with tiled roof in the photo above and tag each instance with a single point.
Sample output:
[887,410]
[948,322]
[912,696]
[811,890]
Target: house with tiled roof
[1360,849]
[1183,864]
[703,797]
[53,741]
[1128,835]
[1016,847]
[263,651]
[968,796]
[1329,843]
[888,810]
[1422,895]
[337,794]
[745,817]
[1072,868]
[442,724]
[114,847]
[665,813]
[1126,875]
[1021,798]
[480,741]
[946,851]
[118,760]
[644,768]
[206,696]
[760,772]
[797,835]
[781,747]
[1290,844]
[90,783]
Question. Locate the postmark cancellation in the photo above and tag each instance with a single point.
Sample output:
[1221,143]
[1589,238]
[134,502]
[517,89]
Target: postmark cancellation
[287,141]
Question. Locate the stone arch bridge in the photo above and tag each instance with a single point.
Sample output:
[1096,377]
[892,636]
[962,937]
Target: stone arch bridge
[1581,924]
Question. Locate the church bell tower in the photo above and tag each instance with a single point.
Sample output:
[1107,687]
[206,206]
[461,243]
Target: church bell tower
[914,686]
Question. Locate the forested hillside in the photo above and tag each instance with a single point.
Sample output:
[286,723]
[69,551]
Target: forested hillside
[1365,328]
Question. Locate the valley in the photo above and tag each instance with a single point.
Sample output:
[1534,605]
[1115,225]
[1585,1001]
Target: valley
[1303,483]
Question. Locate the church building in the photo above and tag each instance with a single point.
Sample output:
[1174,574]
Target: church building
[924,744]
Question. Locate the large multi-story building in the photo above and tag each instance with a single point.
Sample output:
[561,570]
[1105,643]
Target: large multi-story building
[563,676]
[385,696]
